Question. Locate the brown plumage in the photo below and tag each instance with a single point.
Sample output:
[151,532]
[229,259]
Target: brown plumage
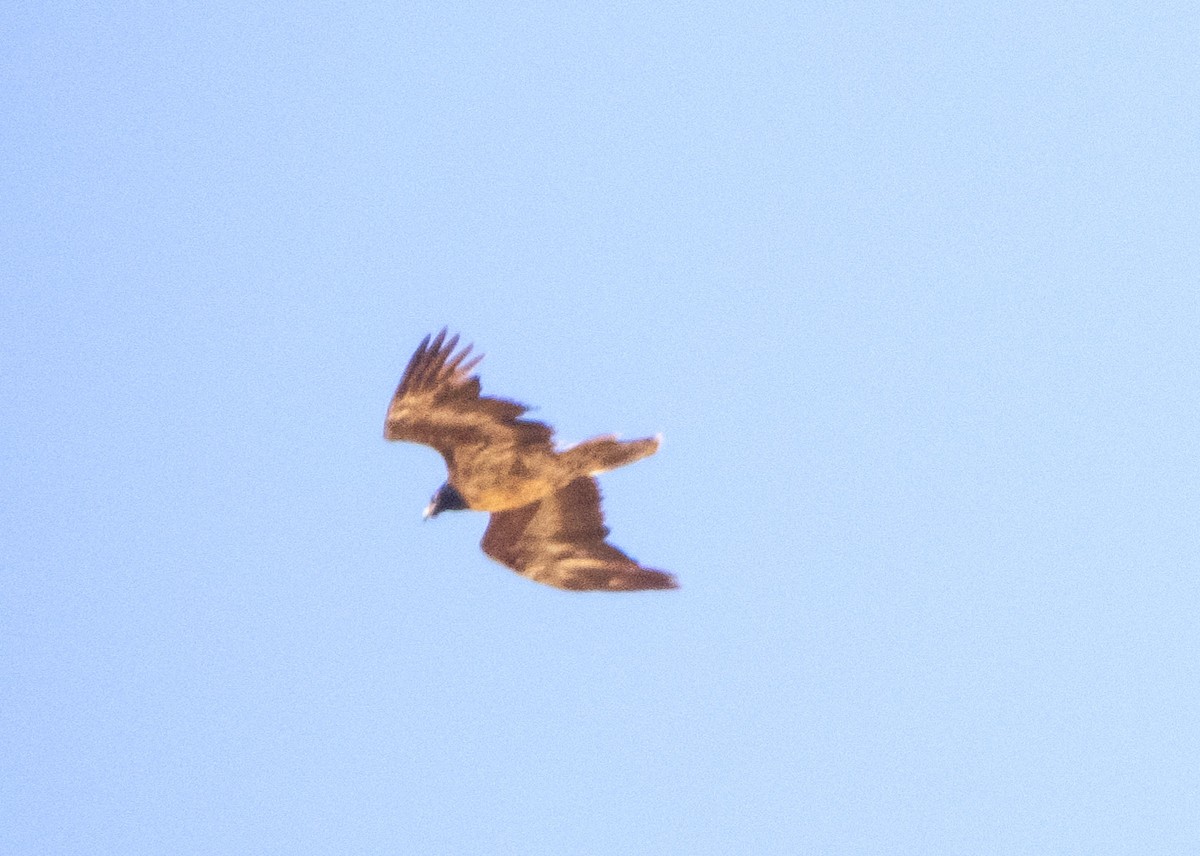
[546,522]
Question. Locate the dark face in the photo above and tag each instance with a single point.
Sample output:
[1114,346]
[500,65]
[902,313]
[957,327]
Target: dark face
[446,499]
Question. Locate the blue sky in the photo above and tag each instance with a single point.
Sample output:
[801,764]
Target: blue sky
[910,289]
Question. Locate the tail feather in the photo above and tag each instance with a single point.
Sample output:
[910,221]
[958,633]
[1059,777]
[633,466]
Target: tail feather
[641,579]
[601,454]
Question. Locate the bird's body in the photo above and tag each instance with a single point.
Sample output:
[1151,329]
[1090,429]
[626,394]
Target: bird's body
[507,476]
[501,478]
[545,506]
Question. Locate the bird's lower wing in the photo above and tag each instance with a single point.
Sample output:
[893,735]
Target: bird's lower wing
[559,541]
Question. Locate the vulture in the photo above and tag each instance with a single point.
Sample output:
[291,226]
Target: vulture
[546,523]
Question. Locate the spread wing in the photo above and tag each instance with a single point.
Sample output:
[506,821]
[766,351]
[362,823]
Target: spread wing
[559,541]
[438,404]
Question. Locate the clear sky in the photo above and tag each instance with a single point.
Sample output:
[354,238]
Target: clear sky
[912,291]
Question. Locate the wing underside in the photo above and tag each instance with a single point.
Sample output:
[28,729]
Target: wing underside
[559,541]
[438,404]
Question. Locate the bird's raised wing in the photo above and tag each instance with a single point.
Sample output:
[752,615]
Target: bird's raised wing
[438,404]
[559,541]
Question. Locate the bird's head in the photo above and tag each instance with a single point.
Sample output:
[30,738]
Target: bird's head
[445,499]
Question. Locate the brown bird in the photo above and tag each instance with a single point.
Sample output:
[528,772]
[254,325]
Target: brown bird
[546,522]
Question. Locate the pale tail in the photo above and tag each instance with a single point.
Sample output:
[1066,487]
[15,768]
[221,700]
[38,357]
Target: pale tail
[601,454]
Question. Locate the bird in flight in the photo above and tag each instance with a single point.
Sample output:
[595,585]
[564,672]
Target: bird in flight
[546,523]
